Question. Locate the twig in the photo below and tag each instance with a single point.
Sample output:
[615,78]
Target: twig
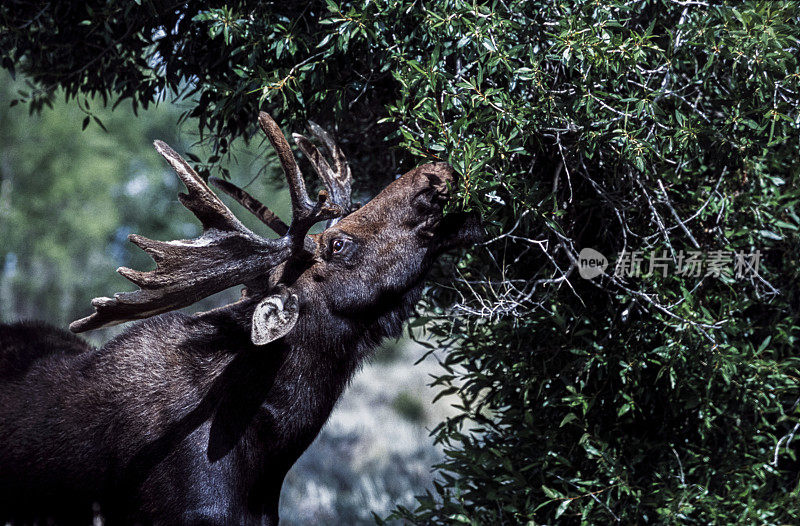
[675,215]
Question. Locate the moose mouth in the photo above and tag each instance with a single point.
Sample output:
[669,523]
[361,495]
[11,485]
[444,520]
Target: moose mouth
[461,229]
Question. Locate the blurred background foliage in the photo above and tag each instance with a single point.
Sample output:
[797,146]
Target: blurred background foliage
[660,126]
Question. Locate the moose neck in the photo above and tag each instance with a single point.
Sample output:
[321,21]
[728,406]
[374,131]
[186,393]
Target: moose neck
[291,385]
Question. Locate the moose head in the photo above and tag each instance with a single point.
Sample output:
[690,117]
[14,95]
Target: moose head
[366,258]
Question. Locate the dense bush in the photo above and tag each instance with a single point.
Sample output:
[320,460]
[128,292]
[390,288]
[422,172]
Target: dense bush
[648,128]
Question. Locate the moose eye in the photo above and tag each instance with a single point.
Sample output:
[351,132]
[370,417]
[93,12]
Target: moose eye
[338,245]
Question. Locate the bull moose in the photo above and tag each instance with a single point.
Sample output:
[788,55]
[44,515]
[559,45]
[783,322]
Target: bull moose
[195,419]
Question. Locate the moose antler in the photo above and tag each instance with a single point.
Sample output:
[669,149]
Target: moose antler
[338,180]
[256,207]
[226,254]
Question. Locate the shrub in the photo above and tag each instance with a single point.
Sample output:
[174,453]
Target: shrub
[645,128]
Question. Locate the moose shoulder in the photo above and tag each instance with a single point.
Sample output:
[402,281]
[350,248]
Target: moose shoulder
[196,419]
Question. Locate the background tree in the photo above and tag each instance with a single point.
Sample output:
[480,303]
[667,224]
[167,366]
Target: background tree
[654,126]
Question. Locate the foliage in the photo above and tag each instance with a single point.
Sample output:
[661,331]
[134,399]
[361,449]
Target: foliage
[228,59]
[653,125]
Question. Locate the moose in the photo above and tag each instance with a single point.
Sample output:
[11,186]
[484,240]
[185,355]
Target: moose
[196,419]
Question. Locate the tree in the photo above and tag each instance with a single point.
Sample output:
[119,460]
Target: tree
[661,134]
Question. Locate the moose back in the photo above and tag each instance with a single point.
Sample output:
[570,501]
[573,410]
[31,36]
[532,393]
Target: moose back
[196,419]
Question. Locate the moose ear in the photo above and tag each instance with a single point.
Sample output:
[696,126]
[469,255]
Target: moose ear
[274,317]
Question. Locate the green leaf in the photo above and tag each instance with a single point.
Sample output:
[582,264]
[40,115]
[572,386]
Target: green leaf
[562,508]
